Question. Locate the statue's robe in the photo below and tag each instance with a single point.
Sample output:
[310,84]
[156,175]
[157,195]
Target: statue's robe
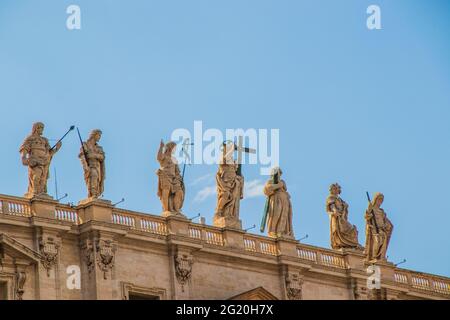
[39,157]
[94,168]
[377,242]
[169,178]
[342,233]
[279,215]
[230,190]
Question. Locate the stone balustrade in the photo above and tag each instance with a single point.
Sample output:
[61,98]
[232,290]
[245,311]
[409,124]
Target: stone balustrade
[260,244]
[67,213]
[229,239]
[15,206]
[307,254]
[332,260]
[250,244]
[321,256]
[210,235]
[123,219]
[140,221]
[422,281]
[153,226]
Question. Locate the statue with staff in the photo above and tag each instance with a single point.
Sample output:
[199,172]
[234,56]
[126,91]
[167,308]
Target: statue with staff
[37,155]
[278,209]
[92,159]
[378,229]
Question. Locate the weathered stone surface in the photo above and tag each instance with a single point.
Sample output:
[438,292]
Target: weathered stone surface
[170,183]
[278,207]
[37,155]
[92,159]
[124,255]
[230,190]
[342,233]
[378,230]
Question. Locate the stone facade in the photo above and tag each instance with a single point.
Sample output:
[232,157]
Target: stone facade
[96,251]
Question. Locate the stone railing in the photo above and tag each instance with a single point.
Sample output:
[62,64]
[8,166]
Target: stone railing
[152,225]
[307,254]
[210,235]
[140,221]
[251,243]
[422,281]
[15,206]
[123,219]
[67,214]
[259,244]
[321,256]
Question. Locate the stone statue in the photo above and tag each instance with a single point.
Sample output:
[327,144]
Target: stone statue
[170,183]
[279,207]
[342,233]
[230,190]
[37,155]
[92,158]
[378,230]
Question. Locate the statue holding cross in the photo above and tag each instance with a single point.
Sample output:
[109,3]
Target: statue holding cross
[170,182]
[230,185]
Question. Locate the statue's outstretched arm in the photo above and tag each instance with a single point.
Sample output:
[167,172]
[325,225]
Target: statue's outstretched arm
[56,148]
[160,155]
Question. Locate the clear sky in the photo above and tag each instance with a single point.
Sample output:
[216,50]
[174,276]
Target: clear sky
[367,109]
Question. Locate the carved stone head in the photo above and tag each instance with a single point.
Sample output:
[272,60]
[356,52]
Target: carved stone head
[378,200]
[276,170]
[38,128]
[335,189]
[170,147]
[95,135]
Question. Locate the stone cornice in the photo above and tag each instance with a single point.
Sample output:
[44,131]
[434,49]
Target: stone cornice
[101,217]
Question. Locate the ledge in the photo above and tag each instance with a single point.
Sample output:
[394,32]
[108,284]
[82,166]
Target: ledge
[101,216]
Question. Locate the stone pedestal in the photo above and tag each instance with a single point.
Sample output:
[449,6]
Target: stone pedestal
[42,196]
[178,225]
[227,222]
[234,238]
[287,246]
[43,207]
[387,271]
[95,209]
[166,214]
[355,258]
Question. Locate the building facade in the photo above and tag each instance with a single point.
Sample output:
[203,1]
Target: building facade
[96,251]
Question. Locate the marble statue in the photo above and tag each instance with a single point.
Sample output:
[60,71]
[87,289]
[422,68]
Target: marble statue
[37,155]
[230,188]
[378,230]
[342,233]
[278,207]
[170,182]
[92,159]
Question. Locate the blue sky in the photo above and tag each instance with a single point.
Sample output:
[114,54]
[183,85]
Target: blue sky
[367,109]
